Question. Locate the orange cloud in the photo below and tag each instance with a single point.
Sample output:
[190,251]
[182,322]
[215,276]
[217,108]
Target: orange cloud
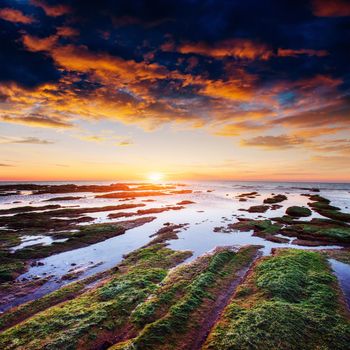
[33,43]
[15,16]
[238,86]
[331,8]
[78,58]
[65,31]
[52,10]
[238,48]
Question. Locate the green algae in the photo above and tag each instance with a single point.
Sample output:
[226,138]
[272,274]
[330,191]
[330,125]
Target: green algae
[168,320]
[290,301]
[26,310]
[320,230]
[262,228]
[98,312]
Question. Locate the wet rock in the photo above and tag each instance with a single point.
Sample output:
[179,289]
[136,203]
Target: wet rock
[276,239]
[299,212]
[258,209]
[275,199]
[248,194]
[309,243]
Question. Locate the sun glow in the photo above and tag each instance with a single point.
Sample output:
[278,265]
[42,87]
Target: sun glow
[154,177]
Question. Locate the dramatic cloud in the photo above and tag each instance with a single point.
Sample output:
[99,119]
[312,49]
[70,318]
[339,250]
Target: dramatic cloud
[236,69]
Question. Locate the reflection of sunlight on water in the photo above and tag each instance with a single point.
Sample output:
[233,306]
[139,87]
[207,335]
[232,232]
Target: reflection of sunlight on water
[211,209]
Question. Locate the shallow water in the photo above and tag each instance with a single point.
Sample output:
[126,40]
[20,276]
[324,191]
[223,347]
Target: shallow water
[212,209]
[342,271]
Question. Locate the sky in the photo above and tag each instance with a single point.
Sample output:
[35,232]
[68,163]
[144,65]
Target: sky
[192,89]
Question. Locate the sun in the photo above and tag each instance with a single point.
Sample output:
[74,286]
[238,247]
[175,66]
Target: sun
[155,176]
